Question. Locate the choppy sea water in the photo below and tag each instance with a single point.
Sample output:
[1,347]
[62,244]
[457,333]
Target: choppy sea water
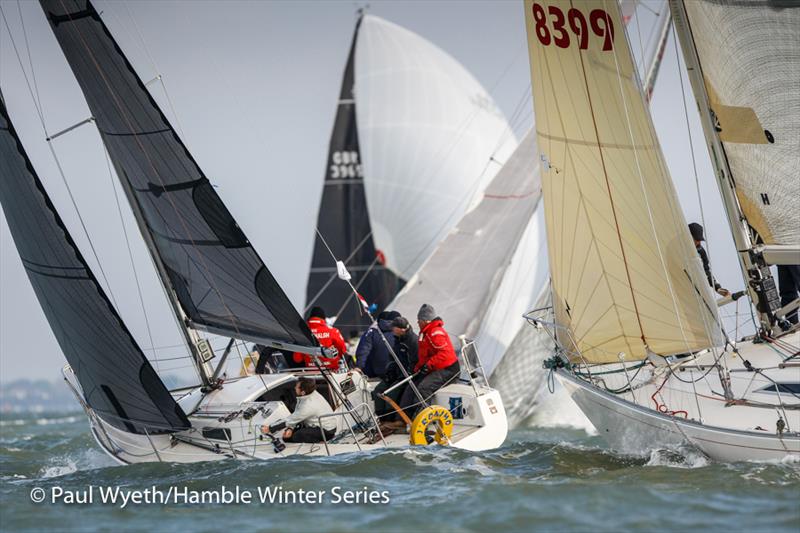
[543,478]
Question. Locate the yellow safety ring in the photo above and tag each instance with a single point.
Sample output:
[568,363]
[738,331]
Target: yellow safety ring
[441,417]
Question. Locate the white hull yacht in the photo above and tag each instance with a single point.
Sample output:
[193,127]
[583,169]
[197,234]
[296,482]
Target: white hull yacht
[216,284]
[227,422]
[639,343]
[683,404]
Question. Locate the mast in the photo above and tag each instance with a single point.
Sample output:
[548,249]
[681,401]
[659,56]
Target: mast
[755,270]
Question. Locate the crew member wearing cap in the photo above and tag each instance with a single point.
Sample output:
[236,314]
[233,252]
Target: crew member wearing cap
[328,337]
[405,347]
[437,363]
[697,234]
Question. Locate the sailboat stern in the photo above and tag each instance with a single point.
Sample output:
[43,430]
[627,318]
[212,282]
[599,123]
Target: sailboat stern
[480,421]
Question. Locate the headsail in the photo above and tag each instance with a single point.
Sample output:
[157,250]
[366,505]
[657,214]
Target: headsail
[344,222]
[470,276]
[749,53]
[117,379]
[218,278]
[626,278]
[463,274]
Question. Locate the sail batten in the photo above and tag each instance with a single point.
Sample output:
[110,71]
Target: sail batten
[117,379]
[204,258]
[619,246]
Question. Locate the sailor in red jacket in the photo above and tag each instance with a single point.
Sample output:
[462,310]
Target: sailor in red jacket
[437,364]
[328,337]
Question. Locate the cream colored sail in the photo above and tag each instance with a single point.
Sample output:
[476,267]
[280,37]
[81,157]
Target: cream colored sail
[750,58]
[626,277]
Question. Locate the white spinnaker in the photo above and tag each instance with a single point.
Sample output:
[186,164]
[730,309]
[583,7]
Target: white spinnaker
[750,57]
[461,277]
[523,281]
[427,131]
[626,278]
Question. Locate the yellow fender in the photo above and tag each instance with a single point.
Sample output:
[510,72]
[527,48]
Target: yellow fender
[444,426]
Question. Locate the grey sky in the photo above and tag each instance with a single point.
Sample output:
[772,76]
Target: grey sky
[254,88]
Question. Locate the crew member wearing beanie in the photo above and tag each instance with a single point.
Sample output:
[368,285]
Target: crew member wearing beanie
[437,363]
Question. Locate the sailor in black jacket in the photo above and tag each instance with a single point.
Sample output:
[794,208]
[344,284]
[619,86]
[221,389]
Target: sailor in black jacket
[697,234]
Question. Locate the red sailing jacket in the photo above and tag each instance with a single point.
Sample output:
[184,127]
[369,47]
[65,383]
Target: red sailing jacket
[435,349]
[327,336]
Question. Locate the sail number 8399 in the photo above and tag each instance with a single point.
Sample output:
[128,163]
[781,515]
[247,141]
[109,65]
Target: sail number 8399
[555,31]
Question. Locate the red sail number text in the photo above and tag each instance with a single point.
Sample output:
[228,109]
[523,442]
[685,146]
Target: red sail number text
[555,30]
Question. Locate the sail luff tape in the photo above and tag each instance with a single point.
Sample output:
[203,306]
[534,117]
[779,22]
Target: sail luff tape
[67,130]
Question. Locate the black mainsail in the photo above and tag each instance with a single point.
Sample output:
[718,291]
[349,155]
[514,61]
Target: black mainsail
[117,379]
[344,223]
[204,258]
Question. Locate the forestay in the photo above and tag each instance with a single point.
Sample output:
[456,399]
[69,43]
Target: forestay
[626,278]
[118,381]
[344,222]
[750,58]
[218,278]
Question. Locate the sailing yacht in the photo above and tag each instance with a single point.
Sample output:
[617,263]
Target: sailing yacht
[639,343]
[215,282]
[415,140]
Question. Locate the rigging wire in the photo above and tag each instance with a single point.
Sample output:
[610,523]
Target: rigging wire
[383,337]
[333,276]
[130,257]
[689,132]
[39,111]
[639,64]
[154,65]
[30,57]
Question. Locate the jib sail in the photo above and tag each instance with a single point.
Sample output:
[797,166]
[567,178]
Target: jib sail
[221,283]
[117,379]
